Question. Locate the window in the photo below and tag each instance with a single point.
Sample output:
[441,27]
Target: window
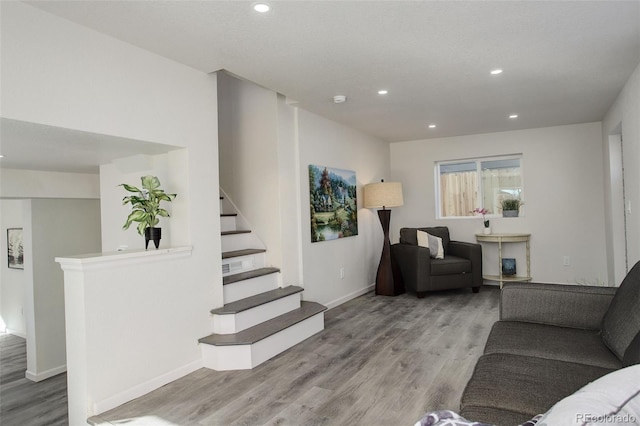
[463,185]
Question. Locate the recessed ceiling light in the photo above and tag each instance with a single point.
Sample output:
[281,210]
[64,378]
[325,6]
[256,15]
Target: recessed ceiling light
[382,92]
[338,99]
[261,7]
[513,116]
[432,126]
[496,71]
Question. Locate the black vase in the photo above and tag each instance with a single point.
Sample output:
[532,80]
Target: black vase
[152,234]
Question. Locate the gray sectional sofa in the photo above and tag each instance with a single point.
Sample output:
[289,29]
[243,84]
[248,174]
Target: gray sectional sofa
[550,341]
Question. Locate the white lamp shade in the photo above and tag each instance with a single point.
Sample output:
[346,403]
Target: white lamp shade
[383,194]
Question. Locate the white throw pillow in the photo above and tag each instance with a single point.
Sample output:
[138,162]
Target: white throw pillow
[423,239]
[433,243]
[611,400]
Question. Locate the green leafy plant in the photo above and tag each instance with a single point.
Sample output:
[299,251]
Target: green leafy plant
[145,205]
[511,204]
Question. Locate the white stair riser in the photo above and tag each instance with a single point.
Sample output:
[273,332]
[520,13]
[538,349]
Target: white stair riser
[245,357]
[233,323]
[227,223]
[239,242]
[243,263]
[247,288]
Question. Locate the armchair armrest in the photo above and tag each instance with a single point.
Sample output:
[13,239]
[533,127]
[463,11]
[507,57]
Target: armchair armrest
[471,251]
[414,263]
[556,304]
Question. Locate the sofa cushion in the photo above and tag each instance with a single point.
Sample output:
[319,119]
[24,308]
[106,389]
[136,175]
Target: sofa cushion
[612,399]
[621,322]
[632,354]
[551,342]
[523,384]
[450,265]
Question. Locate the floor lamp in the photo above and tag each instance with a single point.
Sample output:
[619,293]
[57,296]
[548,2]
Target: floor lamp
[376,195]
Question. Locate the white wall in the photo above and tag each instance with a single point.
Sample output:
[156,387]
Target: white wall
[58,73]
[115,213]
[16,183]
[623,118]
[563,195]
[52,228]
[249,163]
[289,186]
[326,143]
[11,280]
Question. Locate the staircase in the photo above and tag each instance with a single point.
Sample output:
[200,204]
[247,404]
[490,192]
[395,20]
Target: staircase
[260,318]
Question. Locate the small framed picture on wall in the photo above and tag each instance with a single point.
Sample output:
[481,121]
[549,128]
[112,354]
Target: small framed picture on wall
[15,250]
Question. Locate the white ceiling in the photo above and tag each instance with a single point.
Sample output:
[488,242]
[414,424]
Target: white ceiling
[564,61]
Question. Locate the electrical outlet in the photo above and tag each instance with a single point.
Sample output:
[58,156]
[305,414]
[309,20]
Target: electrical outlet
[566,261]
[342,273]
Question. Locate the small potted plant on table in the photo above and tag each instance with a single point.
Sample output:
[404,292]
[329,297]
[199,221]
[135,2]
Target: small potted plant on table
[145,208]
[511,207]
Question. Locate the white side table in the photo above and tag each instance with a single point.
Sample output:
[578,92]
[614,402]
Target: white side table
[506,238]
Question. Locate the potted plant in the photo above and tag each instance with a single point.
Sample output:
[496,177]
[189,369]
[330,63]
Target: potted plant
[511,207]
[485,221]
[145,208]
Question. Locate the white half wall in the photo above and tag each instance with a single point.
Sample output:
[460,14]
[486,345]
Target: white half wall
[326,143]
[623,120]
[12,281]
[563,195]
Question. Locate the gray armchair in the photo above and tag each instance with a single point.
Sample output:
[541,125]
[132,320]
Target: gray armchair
[460,268]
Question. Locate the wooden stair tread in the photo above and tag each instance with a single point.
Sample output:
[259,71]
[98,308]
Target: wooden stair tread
[254,273]
[238,253]
[267,328]
[257,300]
[228,214]
[239,231]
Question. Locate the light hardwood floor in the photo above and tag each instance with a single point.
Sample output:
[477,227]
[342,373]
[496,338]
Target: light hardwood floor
[23,402]
[379,361]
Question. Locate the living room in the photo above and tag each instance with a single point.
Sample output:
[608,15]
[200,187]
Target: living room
[61,74]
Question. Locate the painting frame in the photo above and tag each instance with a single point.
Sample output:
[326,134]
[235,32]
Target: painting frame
[15,248]
[333,203]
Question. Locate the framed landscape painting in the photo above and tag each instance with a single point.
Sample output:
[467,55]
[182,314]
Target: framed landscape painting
[15,251]
[333,204]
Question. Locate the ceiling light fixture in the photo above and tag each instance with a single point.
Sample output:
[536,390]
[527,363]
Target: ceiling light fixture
[261,7]
[513,116]
[339,99]
[496,71]
[432,126]
[382,92]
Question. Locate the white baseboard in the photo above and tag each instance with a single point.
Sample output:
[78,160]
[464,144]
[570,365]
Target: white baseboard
[38,377]
[144,388]
[339,301]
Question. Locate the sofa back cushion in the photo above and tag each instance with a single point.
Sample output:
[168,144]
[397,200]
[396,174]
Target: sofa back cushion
[410,235]
[621,322]
[632,354]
